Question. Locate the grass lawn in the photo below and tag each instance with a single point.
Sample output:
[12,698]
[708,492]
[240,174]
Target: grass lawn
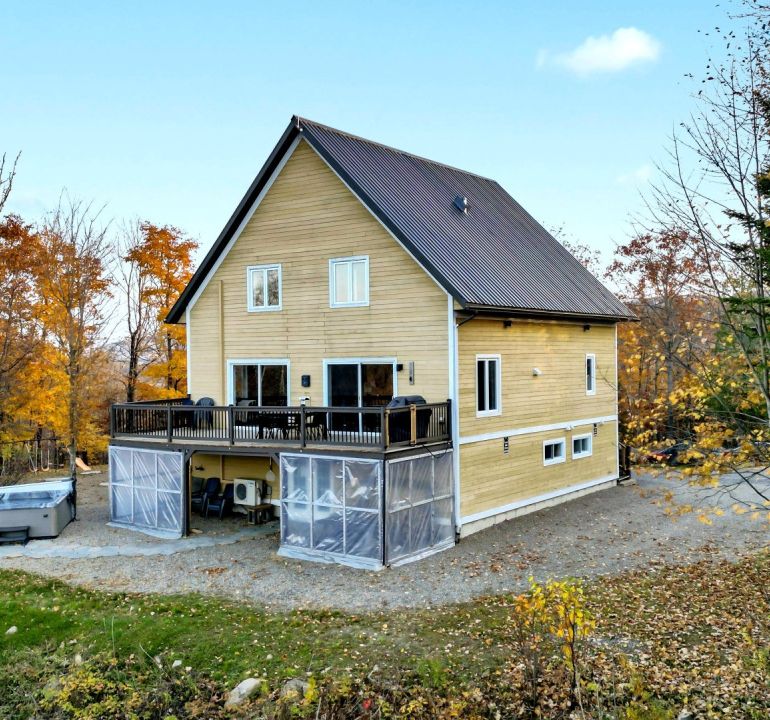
[695,635]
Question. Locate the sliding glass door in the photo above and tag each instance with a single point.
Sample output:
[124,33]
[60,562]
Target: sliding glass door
[358,384]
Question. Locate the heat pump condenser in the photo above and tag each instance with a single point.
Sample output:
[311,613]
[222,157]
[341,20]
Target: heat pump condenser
[247,492]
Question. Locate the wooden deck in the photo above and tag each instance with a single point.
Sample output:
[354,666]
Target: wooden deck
[180,423]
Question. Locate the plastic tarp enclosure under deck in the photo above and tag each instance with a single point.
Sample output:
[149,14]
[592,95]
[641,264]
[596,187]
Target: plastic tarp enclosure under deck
[331,509]
[419,517]
[147,490]
[353,512]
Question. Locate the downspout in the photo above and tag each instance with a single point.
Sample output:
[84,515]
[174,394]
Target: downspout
[454,384]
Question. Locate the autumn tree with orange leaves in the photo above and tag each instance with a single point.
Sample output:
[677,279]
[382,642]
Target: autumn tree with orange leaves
[74,285]
[661,280]
[160,263]
[20,328]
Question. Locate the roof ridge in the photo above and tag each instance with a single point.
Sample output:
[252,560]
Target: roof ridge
[298,119]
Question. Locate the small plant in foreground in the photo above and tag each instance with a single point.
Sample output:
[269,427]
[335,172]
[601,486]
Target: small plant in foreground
[554,610]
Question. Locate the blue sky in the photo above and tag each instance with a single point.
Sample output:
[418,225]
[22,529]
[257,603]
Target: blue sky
[166,110]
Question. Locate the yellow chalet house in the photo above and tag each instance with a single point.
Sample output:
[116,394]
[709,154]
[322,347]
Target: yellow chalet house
[384,352]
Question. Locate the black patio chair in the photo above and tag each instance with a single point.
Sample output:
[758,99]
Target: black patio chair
[183,418]
[220,505]
[204,418]
[244,417]
[210,489]
[315,426]
[196,487]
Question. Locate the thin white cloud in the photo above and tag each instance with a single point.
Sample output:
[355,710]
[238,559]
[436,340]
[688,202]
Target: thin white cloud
[606,53]
[636,177]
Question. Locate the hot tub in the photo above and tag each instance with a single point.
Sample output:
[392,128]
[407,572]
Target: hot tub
[45,508]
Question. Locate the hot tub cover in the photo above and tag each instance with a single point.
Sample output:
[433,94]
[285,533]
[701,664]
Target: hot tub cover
[34,495]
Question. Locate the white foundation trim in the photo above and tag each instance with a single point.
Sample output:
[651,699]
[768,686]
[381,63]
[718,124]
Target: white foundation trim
[537,428]
[532,504]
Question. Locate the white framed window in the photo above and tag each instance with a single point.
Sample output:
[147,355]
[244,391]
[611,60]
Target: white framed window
[259,382]
[554,451]
[582,446]
[488,391]
[263,288]
[590,374]
[349,282]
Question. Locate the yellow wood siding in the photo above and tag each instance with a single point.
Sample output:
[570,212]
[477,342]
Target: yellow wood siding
[558,394]
[229,467]
[489,478]
[492,479]
[306,218]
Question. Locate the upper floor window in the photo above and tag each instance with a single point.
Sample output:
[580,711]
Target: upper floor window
[349,282]
[487,385]
[590,374]
[263,287]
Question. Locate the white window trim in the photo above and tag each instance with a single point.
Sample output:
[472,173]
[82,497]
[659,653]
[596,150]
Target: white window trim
[249,288]
[554,441]
[351,260]
[498,386]
[592,391]
[589,452]
[257,361]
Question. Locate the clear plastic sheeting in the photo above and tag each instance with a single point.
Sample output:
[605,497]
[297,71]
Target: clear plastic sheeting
[146,490]
[331,509]
[419,517]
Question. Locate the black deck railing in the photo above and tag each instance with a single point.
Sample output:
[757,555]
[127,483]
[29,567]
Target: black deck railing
[364,427]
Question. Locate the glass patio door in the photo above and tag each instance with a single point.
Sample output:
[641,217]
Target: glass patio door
[358,384]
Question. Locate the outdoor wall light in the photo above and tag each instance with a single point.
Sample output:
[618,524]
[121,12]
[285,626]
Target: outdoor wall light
[537,372]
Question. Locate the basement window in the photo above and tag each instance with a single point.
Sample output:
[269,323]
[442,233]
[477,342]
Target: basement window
[554,451]
[349,282]
[263,284]
[488,400]
[590,374]
[582,446]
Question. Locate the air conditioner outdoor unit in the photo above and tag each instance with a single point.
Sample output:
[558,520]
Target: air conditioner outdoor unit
[247,492]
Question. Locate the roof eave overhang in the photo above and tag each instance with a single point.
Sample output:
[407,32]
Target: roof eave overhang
[177,312]
[495,312]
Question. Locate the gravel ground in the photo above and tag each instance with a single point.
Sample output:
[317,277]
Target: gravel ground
[615,530]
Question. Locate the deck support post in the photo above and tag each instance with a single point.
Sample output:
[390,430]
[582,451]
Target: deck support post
[385,427]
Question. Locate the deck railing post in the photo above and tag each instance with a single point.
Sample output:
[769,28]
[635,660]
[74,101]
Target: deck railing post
[231,424]
[413,424]
[169,423]
[449,418]
[112,421]
[384,429]
[302,426]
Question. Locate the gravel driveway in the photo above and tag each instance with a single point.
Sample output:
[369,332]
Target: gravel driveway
[608,532]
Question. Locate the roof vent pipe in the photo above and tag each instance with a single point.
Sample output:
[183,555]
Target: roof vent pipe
[461,203]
